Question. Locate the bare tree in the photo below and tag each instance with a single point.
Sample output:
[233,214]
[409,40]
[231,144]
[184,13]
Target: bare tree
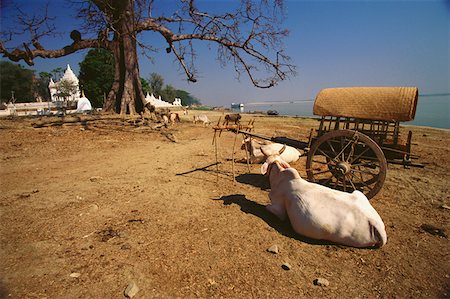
[250,37]
[156,82]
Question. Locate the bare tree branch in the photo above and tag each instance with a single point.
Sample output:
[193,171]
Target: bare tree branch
[28,55]
[37,27]
[227,31]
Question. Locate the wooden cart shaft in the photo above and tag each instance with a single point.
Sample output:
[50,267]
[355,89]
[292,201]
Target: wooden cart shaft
[283,140]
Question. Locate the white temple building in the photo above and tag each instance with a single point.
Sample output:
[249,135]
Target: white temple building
[177,102]
[159,103]
[68,76]
[56,104]
[83,104]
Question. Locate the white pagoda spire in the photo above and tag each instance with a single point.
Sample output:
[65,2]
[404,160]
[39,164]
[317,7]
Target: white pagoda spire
[68,76]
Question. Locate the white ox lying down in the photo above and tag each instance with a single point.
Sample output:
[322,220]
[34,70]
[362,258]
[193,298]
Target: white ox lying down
[290,154]
[321,213]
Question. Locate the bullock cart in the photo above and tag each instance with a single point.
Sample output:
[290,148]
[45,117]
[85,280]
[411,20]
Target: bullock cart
[358,135]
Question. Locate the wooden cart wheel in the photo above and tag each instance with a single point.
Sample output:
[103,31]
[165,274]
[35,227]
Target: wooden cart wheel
[347,160]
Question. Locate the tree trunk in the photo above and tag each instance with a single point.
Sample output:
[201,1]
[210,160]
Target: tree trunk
[114,94]
[126,87]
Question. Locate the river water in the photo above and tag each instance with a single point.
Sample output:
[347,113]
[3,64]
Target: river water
[432,110]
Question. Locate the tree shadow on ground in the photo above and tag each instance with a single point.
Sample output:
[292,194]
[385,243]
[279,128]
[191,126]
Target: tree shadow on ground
[259,210]
[204,168]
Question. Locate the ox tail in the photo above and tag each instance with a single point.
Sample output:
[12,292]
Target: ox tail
[378,233]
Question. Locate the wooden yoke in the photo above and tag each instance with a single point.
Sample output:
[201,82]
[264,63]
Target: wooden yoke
[236,129]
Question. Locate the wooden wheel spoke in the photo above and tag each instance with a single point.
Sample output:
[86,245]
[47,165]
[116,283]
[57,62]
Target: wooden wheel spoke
[335,183]
[329,179]
[351,182]
[366,172]
[360,188]
[326,155]
[361,180]
[359,156]
[343,149]
[352,151]
[331,146]
[366,159]
[367,164]
[369,186]
[365,184]
[360,174]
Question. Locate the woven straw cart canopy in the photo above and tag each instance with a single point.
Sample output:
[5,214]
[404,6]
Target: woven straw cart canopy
[375,103]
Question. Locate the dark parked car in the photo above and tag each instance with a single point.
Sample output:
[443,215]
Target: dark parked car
[272,112]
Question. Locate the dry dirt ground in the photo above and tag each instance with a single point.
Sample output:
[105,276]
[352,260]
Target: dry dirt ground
[87,210]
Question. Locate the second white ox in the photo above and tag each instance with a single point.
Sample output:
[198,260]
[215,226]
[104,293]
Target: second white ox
[321,213]
[290,154]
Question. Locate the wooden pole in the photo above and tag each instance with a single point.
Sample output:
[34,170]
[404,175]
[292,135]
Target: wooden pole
[249,129]
[214,137]
[217,159]
[246,153]
[237,129]
[232,156]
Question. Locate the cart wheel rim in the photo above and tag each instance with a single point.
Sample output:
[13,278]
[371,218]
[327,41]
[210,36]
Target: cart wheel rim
[347,160]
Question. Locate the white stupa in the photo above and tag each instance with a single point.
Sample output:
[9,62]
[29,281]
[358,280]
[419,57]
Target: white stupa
[159,103]
[54,86]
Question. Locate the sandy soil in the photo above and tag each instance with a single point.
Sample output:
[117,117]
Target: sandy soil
[87,210]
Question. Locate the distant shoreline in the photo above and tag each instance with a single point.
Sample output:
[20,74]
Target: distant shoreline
[316,118]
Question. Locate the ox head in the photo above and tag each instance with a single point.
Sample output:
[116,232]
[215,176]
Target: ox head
[271,159]
[251,143]
[244,142]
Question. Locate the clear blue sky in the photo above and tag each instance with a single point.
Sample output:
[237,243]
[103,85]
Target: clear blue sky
[332,43]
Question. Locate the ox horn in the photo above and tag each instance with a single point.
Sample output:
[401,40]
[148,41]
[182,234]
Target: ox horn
[282,149]
[262,151]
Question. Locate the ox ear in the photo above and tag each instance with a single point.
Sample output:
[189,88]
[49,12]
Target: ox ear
[264,168]
[282,149]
